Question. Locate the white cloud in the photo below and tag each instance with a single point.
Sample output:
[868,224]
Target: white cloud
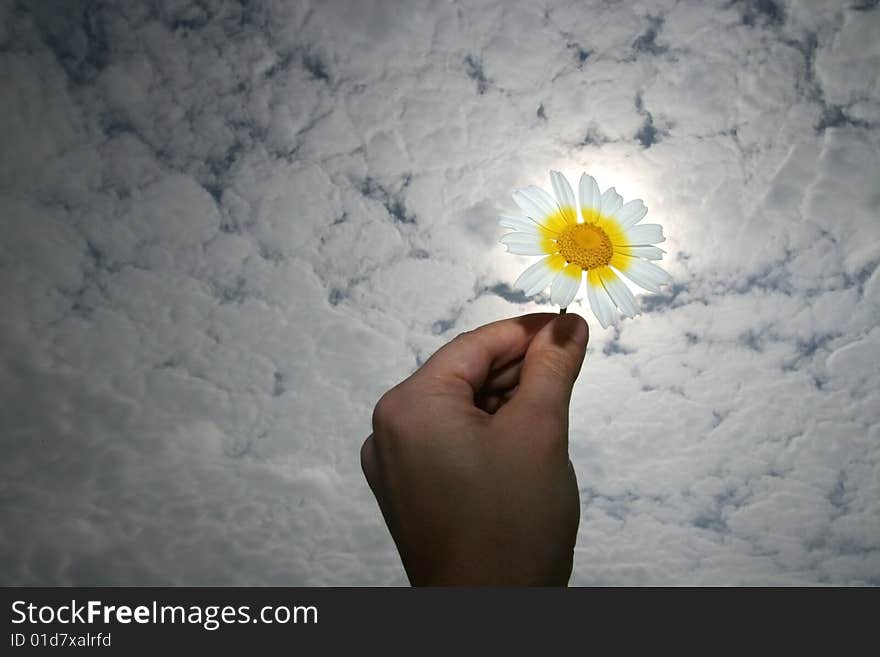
[228,230]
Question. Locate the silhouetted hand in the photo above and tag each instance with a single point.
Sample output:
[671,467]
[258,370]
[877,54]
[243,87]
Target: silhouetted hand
[468,458]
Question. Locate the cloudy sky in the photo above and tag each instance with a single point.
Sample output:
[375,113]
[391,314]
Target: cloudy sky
[228,227]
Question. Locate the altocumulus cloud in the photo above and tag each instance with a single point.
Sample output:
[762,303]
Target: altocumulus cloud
[227,229]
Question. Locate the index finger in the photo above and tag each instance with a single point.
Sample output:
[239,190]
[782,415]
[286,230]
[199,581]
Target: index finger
[462,365]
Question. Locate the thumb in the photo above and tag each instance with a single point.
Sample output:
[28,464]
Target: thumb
[551,366]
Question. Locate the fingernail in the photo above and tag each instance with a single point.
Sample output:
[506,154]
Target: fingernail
[575,327]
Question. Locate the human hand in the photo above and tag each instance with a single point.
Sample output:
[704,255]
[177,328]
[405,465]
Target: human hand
[468,458]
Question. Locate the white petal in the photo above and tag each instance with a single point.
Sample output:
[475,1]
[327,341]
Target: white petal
[518,223]
[646,274]
[589,194]
[611,202]
[601,304]
[518,237]
[620,294]
[644,234]
[523,244]
[564,288]
[562,189]
[535,202]
[525,249]
[647,252]
[631,213]
[535,278]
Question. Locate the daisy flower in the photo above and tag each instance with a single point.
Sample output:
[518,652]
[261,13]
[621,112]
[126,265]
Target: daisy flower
[602,242]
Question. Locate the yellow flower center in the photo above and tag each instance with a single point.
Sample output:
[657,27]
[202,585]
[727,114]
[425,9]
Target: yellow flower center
[585,245]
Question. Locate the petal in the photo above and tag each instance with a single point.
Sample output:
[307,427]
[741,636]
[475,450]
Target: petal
[611,202]
[565,285]
[535,202]
[618,291]
[631,213]
[591,200]
[520,238]
[525,244]
[646,252]
[646,274]
[563,191]
[600,302]
[525,249]
[518,223]
[539,275]
[565,196]
[644,234]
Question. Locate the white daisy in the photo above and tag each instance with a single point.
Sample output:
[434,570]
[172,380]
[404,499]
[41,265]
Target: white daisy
[603,241]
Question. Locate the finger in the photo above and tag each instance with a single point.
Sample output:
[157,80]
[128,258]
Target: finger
[463,365]
[503,378]
[492,402]
[550,368]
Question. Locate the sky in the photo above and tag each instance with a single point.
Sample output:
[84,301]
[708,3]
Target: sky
[227,228]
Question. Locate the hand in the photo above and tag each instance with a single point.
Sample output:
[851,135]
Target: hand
[468,458]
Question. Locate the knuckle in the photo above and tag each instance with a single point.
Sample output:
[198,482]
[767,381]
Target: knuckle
[382,412]
[368,460]
[367,454]
[388,412]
